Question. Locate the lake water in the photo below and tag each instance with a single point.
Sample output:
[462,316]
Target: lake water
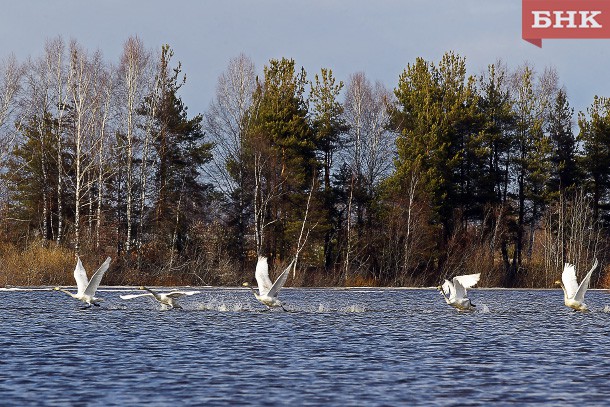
[336,347]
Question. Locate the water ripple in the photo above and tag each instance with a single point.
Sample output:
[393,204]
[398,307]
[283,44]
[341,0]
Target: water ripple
[335,347]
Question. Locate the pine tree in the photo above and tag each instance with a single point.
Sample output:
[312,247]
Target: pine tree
[564,168]
[30,176]
[281,149]
[180,153]
[437,117]
[327,119]
[495,141]
[595,161]
[328,125]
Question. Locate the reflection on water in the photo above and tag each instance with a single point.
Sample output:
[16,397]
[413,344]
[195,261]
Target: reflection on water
[334,347]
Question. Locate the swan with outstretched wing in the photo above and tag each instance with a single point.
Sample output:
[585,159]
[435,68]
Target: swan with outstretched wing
[85,289]
[574,293]
[165,299]
[454,291]
[268,292]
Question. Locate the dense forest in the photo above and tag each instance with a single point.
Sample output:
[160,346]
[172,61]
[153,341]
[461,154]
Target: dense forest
[447,173]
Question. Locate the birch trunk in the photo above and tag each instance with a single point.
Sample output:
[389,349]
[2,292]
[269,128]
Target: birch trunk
[56,49]
[133,64]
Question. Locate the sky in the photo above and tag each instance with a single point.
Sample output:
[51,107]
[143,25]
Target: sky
[377,37]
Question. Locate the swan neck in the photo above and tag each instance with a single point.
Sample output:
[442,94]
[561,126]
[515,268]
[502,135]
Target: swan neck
[256,295]
[442,290]
[66,292]
[152,292]
[565,294]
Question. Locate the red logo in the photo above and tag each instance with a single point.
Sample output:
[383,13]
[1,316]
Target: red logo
[565,19]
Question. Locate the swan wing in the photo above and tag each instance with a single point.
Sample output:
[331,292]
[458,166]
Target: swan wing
[461,283]
[568,277]
[279,282]
[262,276]
[468,280]
[459,289]
[178,294]
[80,275]
[130,296]
[448,289]
[584,284]
[96,278]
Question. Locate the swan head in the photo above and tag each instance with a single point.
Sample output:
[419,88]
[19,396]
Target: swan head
[438,287]
[246,284]
[558,282]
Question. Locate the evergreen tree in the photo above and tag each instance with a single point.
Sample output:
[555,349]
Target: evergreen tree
[437,117]
[29,176]
[327,119]
[564,168]
[494,142]
[595,161]
[493,149]
[181,152]
[328,125]
[281,147]
[530,165]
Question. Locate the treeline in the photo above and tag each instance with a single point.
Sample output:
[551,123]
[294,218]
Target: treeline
[449,173]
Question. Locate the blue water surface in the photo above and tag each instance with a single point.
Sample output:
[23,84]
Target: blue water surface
[344,347]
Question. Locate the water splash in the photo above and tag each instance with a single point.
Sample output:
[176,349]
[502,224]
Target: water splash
[238,307]
[483,309]
[353,308]
[116,307]
[221,306]
[323,308]
[606,309]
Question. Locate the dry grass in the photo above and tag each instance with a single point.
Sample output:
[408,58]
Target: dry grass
[36,265]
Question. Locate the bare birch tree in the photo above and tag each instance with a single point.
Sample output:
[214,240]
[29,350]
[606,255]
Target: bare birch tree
[81,87]
[104,98]
[151,105]
[226,123]
[43,105]
[11,74]
[570,234]
[35,106]
[55,59]
[371,145]
[133,66]
[265,193]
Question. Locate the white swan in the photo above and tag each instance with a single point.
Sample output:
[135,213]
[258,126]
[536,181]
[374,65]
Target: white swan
[267,292]
[166,299]
[454,291]
[86,289]
[574,294]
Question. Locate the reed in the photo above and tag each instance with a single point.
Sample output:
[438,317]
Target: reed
[36,265]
